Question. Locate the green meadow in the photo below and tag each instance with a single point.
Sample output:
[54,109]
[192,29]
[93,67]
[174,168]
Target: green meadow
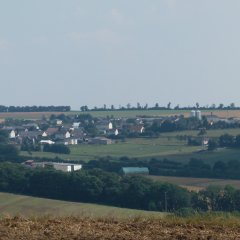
[12,204]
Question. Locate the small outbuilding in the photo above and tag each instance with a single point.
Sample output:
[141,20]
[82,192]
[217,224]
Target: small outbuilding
[135,171]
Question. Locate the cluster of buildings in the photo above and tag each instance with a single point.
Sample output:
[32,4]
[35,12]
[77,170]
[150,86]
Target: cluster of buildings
[71,132]
[75,131]
[64,167]
[70,167]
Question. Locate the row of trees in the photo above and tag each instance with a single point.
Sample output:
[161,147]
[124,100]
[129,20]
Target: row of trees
[35,108]
[225,140]
[169,106]
[7,151]
[93,186]
[194,168]
[158,127]
[97,186]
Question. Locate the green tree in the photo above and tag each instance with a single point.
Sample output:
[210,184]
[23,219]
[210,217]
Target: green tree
[212,145]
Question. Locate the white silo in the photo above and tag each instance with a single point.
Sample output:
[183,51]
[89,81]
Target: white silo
[198,115]
[193,113]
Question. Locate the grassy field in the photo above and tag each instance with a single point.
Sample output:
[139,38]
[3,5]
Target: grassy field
[139,148]
[196,184]
[210,133]
[11,204]
[166,146]
[224,155]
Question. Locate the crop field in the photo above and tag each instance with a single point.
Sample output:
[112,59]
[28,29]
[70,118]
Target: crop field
[114,229]
[196,184]
[139,148]
[157,113]
[123,113]
[13,205]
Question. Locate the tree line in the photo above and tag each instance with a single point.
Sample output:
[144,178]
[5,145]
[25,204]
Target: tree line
[225,140]
[157,106]
[35,108]
[164,167]
[93,186]
[97,186]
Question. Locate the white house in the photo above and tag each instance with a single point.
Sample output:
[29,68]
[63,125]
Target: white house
[76,124]
[59,122]
[67,134]
[47,142]
[110,126]
[116,132]
[12,134]
[71,141]
[44,134]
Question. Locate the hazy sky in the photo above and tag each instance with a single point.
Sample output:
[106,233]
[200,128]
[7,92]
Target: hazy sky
[75,52]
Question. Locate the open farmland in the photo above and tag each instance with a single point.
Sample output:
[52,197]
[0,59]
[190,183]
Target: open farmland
[12,204]
[196,184]
[214,133]
[122,113]
[113,229]
[139,148]
[29,115]
[157,113]
[116,114]
[167,146]
[209,157]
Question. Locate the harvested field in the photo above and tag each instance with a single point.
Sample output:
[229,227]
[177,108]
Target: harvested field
[196,184]
[93,229]
[117,114]
[29,115]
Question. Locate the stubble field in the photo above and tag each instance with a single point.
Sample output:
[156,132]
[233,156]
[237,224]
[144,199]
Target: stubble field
[111,229]
[123,113]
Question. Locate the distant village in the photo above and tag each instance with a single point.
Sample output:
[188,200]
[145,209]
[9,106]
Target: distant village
[84,129]
[67,130]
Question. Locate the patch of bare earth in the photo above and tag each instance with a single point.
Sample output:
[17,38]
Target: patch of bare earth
[90,229]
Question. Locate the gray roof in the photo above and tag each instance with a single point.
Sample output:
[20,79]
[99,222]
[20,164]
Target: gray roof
[135,170]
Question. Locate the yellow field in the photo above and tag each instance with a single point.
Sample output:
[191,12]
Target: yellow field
[125,113]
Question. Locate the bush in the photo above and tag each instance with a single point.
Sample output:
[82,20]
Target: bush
[57,148]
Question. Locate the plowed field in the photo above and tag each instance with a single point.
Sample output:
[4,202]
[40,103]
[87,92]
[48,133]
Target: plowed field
[90,229]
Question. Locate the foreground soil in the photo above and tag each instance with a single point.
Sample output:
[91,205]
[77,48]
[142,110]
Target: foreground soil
[91,229]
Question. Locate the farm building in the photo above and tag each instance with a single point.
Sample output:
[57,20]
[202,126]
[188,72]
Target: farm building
[134,171]
[65,167]
[100,140]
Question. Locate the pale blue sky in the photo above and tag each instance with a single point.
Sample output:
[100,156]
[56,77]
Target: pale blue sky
[76,53]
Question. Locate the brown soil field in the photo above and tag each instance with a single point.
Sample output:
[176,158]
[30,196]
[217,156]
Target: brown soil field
[196,184]
[110,229]
[224,113]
